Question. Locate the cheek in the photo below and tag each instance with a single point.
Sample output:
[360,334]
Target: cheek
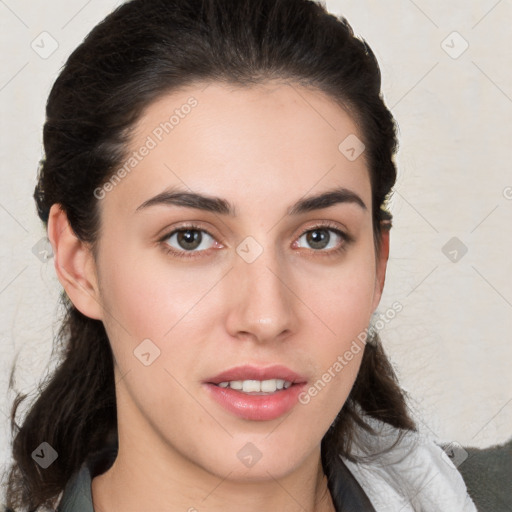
[148,298]
[150,302]
[341,300]
[338,345]
[169,305]
[343,310]
[341,296]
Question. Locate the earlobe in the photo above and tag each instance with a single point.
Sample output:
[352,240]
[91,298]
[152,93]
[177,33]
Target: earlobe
[74,265]
[382,261]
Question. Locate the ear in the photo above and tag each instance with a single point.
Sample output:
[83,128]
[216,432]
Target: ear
[382,262]
[74,264]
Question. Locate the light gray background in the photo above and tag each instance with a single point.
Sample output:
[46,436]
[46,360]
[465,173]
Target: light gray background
[451,343]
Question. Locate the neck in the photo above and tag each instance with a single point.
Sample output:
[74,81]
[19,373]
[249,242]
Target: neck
[139,481]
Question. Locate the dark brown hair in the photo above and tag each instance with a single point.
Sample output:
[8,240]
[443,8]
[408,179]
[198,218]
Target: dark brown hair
[140,52]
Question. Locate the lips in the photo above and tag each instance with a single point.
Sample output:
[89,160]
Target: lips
[255,406]
[248,372]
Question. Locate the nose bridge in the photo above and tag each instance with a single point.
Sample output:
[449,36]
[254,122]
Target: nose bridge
[262,302]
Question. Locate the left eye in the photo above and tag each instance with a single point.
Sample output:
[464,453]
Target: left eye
[318,237]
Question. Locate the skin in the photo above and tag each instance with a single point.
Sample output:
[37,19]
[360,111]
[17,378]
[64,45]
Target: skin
[262,148]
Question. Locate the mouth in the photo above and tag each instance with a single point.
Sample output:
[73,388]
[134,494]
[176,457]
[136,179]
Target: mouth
[255,393]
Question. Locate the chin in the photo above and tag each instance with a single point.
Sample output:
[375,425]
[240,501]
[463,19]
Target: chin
[253,464]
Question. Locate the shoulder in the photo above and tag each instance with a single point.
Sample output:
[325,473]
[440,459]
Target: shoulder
[488,473]
[77,496]
[406,471]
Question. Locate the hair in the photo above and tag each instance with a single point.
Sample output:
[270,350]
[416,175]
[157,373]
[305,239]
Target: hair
[143,50]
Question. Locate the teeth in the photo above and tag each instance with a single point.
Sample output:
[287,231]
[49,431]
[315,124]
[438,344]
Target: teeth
[257,386]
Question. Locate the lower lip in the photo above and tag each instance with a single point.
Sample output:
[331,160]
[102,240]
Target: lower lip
[256,407]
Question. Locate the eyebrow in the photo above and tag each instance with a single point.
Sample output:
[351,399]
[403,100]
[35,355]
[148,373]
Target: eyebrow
[177,197]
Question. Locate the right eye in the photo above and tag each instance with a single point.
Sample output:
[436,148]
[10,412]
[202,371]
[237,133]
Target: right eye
[188,239]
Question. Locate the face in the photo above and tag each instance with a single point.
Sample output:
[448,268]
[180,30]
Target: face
[191,289]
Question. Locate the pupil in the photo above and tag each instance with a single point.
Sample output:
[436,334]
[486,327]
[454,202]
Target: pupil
[190,237]
[318,236]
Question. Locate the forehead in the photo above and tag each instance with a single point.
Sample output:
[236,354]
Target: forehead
[255,145]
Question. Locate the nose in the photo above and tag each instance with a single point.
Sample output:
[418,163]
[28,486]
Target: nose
[262,305]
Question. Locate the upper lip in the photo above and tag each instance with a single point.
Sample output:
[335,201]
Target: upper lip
[249,372]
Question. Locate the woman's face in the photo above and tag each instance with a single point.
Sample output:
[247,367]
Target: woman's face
[267,284]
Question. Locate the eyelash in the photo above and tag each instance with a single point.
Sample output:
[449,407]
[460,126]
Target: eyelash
[195,254]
